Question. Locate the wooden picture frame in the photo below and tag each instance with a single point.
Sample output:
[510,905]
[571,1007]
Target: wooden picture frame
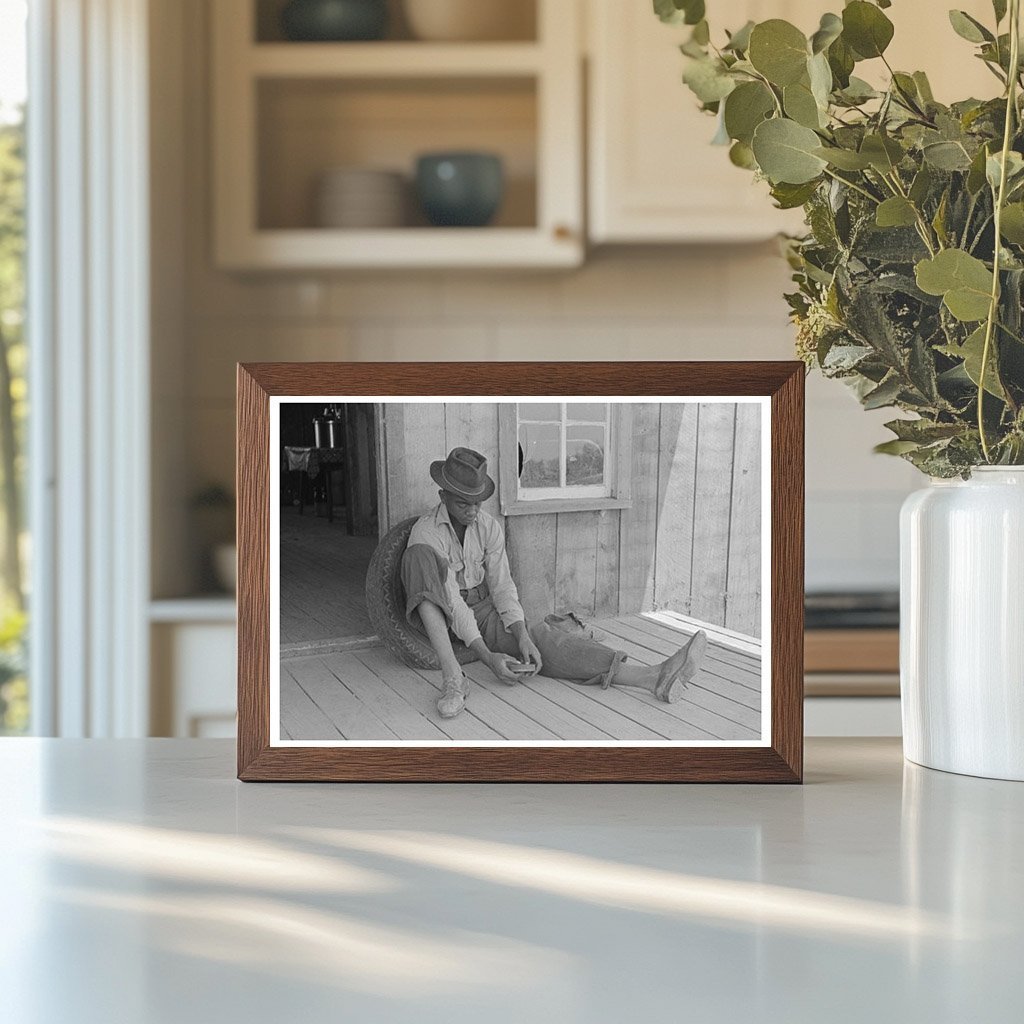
[778,388]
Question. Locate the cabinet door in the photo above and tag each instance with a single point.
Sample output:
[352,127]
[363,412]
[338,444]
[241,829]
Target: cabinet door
[654,175]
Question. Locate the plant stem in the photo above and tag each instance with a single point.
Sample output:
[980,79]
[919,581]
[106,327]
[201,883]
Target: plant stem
[922,225]
[993,309]
[855,187]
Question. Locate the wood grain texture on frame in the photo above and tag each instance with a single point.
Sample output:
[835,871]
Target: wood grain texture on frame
[780,762]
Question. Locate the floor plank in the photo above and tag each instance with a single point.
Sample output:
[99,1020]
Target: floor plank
[742,667]
[367,694]
[537,706]
[712,675]
[300,717]
[577,699]
[353,719]
[420,691]
[702,706]
[323,578]
[404,720]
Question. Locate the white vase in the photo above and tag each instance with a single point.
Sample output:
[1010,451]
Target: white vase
[962,624]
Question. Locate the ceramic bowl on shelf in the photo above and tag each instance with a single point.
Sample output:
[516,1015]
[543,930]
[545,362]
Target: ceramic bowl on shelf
[460,189]
[334,20]
[470,20]
[361,198]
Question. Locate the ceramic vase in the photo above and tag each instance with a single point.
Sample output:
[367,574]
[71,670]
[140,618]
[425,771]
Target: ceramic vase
[962,624]
[334,20]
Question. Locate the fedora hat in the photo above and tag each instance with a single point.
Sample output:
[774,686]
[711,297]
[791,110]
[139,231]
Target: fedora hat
[464,473]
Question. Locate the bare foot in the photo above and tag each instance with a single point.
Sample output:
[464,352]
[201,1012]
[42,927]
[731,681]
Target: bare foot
[676,672]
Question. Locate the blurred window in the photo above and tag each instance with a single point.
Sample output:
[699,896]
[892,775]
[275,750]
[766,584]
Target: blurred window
[14,550]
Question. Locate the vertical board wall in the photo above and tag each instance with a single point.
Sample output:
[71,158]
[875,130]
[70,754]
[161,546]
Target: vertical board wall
[690,542]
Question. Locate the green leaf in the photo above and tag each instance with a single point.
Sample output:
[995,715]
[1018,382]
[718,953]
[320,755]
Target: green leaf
[999,7]
[921,185]
[885,394]
[946,156]
[883,153]
[939,220]
[1011,226]
[923,431]
[858,91]
[963,281]
[800,105]
[844,159]
[707,80]
[829,30]
[924,88]
[676,12]
[994,167]
[866,29]
[971,352]
[895,447]
[785,152]
[701,33]
[789,197]
[739,41]
[841,60]
[745,108]
[820,76]
[896,212]
[969,28]
[976,174]
[721,136]
[778,50]
[742,155]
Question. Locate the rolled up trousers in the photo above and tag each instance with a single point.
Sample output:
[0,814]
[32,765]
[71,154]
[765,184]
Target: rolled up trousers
[565,653]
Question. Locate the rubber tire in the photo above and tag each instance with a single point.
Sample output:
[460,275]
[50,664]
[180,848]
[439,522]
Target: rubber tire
[385,604]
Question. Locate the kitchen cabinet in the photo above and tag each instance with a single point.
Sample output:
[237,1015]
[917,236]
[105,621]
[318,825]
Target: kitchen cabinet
[653,175]
[286,113]
[193,654]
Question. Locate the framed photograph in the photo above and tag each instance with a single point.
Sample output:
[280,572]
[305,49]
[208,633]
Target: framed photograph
[520,572]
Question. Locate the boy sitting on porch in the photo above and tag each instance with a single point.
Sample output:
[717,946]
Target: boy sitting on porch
[456,577]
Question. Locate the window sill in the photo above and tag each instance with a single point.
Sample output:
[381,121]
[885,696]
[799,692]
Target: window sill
[549,505]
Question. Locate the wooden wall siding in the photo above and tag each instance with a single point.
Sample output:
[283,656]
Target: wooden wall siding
[706,559]
[532,543]
[743,597]
[712,503]
[638,525]
[670,559]
[416,434]
[689,543]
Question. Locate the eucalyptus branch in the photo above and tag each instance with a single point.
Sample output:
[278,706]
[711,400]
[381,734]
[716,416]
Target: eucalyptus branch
[1000,198]
[853,185]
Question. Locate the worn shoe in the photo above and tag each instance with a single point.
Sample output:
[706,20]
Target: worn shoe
[678,670]
[453,697]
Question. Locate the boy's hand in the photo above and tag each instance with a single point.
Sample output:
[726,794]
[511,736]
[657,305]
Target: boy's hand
[499,665]
[528,649]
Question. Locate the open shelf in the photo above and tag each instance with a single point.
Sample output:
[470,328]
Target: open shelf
[519,16]
[308,127]
[393,60]
[286,114]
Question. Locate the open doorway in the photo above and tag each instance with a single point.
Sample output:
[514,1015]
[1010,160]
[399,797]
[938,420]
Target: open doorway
[329,523]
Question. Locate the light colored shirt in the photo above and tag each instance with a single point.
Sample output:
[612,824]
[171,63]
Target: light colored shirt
[480,557]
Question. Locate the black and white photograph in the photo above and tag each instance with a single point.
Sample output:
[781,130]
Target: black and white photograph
[535,572]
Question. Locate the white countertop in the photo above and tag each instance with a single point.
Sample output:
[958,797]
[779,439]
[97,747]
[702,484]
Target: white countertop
[143,885]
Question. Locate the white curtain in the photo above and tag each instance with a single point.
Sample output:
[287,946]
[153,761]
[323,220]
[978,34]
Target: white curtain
[88,318]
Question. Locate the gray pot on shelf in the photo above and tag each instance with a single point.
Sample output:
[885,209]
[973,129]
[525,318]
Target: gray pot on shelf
[460,189]
[334,20]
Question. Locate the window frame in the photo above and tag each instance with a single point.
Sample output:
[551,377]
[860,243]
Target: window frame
[620,435]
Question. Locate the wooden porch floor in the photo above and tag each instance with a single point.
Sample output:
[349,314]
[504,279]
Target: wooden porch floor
[369,695]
